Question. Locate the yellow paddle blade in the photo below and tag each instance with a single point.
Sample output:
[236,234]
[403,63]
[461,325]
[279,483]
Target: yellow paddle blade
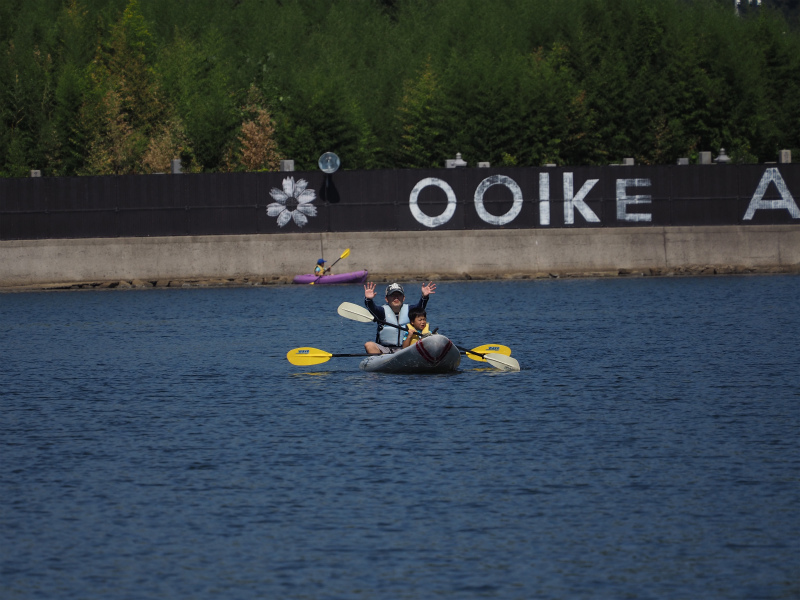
[487,348]
[502,362]
[307,356]
[345,254]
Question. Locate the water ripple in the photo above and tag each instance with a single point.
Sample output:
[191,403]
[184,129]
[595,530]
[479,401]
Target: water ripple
[157,444]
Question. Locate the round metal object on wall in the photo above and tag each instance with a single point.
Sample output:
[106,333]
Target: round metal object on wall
[329,162]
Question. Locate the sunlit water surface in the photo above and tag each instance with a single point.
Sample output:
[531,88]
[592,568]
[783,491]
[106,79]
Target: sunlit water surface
[158,444]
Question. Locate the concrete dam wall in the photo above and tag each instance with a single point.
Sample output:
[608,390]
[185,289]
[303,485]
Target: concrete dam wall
[408,254]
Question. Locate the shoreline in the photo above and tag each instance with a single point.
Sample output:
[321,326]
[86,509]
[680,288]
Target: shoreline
[258,281]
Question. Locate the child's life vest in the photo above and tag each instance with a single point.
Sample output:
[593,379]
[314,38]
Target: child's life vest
[412,330]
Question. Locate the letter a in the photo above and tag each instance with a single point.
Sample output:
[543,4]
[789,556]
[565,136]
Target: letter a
[772,175]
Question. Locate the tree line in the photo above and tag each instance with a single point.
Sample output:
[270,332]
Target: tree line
[94,87]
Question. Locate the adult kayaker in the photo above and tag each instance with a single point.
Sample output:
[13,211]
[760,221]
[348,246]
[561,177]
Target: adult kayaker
[390,339]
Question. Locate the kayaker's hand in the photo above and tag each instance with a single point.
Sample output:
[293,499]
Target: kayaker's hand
[369,291]
[429,289]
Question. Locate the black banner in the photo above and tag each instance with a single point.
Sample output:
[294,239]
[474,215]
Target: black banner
[398,200]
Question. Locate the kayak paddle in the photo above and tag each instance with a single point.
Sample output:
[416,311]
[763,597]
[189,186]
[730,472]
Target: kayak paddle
[313,356]
[496,355]
[345,254]
[354,312]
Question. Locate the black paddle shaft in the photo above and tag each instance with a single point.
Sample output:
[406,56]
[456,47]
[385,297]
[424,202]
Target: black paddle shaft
[400,327]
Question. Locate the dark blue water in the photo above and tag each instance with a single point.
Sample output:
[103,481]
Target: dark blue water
[157,444]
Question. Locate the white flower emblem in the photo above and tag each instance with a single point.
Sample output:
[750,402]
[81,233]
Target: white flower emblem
[292,202]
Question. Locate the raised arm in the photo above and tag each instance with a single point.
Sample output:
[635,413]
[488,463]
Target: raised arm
[369,301]
[427,290]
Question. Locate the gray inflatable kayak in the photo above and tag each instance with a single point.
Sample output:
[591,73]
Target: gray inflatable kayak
[432,354]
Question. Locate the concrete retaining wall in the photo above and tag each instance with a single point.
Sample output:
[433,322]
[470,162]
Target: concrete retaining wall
[419,254]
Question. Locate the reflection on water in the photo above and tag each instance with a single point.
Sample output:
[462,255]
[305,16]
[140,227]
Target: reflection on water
[157,443]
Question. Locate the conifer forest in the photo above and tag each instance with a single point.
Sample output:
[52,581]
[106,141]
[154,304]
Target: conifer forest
[97,87]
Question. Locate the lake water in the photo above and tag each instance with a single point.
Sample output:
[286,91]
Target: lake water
[158,444]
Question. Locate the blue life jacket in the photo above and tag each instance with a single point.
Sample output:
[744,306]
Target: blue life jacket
[391,336]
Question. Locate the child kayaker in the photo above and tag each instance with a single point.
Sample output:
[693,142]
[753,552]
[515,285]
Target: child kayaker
[417,327]
[320,269]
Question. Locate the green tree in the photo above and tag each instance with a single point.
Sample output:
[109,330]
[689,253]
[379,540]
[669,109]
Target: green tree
[423,136]
[257,149]
[74,44]
[27,72]
[125,106]
[196,79]
[118,86]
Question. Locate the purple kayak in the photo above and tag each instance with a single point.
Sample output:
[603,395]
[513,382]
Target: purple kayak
[353,277]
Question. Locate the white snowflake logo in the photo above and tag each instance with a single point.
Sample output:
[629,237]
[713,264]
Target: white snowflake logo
[292,202]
